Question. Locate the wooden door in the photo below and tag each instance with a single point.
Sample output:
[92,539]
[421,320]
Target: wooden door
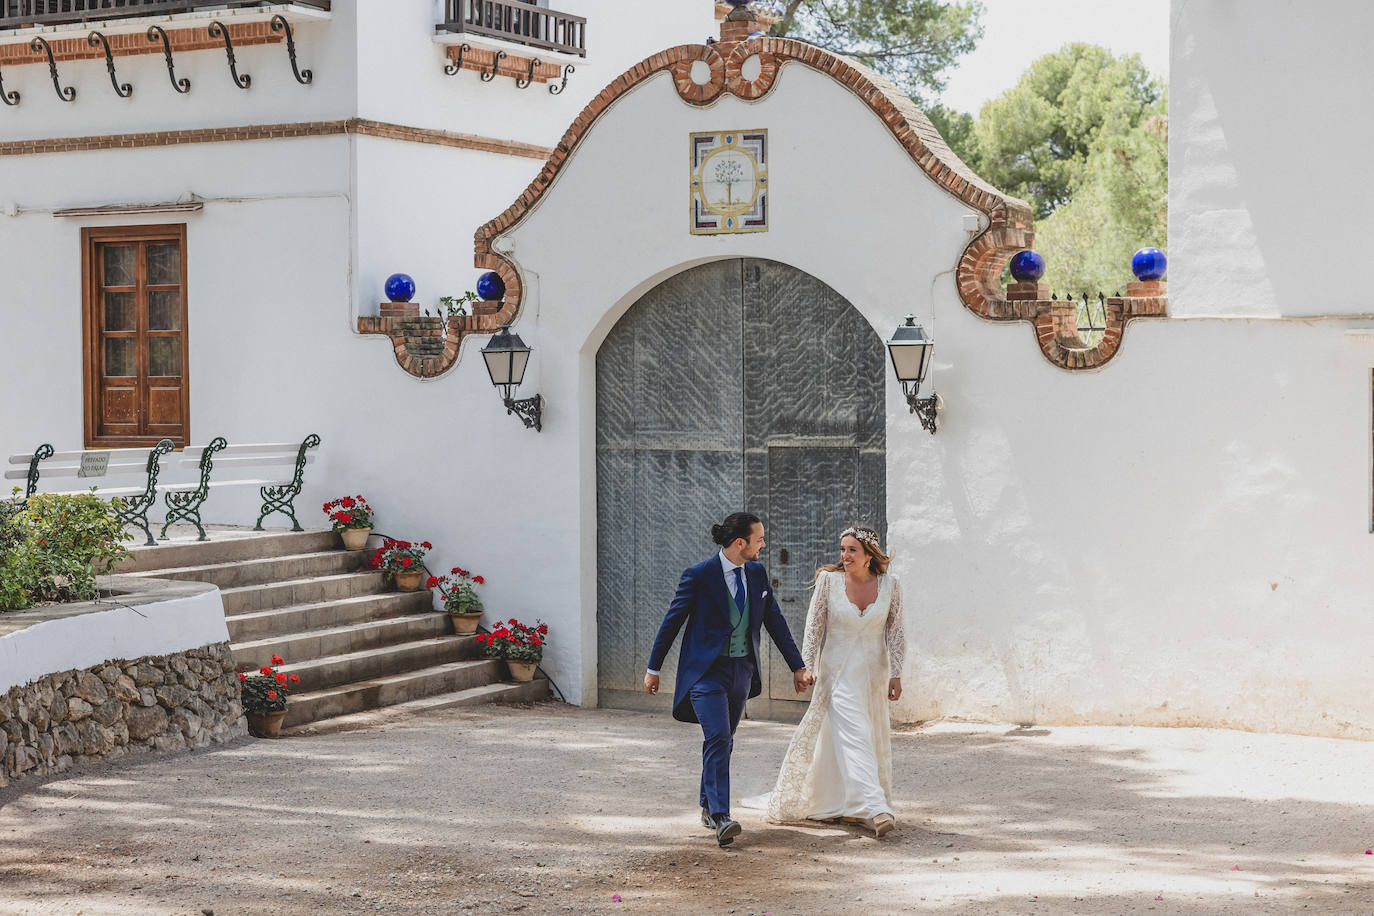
[135,329]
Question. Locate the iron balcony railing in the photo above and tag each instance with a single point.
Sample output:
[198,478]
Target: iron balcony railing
[519,21]
[18,14]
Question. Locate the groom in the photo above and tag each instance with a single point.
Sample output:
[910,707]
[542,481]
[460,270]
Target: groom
[723,601]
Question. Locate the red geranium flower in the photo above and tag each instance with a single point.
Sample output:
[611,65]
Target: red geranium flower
[344,518]
[407,561]
[271,694]
[242,676]
[264,670]
[536,641]
[281,678]
[347,502]
[513,621]
[426,545]
[277,660]
[295,679]
[478,579]
[431,582]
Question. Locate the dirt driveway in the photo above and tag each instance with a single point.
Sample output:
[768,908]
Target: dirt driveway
[553,809]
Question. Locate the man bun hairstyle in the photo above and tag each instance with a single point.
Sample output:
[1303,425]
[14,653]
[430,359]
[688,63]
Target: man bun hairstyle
[736,525]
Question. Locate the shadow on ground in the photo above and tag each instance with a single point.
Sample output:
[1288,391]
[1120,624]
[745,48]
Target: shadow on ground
[555,809]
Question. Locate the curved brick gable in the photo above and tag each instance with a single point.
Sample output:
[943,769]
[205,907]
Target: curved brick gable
[1010,222]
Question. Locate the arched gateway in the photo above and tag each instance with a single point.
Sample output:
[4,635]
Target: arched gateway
[741,383]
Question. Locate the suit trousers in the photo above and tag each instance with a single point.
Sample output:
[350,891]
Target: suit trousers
[718,699]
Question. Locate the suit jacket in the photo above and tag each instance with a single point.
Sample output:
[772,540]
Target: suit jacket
[703,603]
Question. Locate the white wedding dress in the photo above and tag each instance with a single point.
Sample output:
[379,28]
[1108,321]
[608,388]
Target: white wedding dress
[839,763]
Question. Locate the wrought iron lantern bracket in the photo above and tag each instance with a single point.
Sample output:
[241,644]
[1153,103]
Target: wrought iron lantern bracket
[123,90]
[40,45]
[156,32]
[279,24]
[529,410]
[925,409]
[218,30]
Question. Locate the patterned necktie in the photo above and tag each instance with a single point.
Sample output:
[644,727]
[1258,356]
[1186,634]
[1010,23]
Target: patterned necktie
[740,596]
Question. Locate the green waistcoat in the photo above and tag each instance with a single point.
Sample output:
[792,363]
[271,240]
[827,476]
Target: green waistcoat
[737,646]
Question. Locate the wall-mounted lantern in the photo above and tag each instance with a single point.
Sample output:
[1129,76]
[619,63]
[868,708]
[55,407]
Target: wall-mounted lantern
[911,352]
[507,356]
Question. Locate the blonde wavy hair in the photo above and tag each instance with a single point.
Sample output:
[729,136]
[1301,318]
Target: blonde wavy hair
[868,539]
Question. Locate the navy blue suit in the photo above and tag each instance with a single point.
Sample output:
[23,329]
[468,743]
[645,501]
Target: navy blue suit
[710,689]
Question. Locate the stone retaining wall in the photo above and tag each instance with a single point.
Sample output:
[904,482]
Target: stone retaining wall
[162,703]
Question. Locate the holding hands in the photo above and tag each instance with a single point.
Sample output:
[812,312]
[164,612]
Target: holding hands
[802,679]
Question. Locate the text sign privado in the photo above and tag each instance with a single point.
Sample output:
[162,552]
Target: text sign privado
[94,464]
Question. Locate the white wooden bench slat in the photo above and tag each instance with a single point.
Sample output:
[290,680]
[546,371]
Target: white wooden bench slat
[72,469]
[248,449]
[102,491]
[250,461]
[59,457]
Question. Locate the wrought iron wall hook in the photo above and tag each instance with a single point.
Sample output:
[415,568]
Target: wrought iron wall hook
[123,91]
[154,33]
[9,98]
[218,30]
[279,24]
[524,82]
[490,75]
[40,45]
[453,68]
[555,90]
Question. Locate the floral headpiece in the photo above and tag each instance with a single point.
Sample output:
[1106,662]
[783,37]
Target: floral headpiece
[866,536]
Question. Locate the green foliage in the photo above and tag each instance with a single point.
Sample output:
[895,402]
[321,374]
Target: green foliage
[911,42]
[55,546]
[1083,137]
[1035,140]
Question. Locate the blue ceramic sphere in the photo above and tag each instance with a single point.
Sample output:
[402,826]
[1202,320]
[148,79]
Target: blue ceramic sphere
[400,288]
[1027,266]
[490,286]
[1149,264]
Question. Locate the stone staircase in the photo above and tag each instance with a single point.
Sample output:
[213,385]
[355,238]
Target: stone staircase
[356,644]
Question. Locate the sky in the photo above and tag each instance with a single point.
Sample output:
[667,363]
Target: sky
[1016,32]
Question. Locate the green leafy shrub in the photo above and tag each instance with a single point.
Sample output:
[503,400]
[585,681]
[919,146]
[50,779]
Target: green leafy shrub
[55,546]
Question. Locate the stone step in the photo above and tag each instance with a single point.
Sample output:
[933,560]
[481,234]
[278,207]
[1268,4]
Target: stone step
[263,597]
[237,573]
[497,692]
[227,547]
[341,640]
[390,690]
[299,618]
[379,662]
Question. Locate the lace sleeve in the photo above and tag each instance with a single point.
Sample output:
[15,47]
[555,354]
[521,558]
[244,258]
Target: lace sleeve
[895,632]
[815,622]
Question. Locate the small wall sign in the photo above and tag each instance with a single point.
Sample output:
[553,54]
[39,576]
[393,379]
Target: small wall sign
[94,464]
[729,182]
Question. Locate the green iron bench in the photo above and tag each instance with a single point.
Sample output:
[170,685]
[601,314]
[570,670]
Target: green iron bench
[183,500]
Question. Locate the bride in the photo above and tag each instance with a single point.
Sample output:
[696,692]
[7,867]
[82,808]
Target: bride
[839,764]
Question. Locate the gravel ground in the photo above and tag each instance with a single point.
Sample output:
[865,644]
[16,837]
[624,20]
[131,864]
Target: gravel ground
[552,809]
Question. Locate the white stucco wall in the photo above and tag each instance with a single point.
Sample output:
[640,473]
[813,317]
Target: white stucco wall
[193,619]
[1180,538]
[1269,141]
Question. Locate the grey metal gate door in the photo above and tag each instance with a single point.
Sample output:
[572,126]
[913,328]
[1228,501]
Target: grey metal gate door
[737,384]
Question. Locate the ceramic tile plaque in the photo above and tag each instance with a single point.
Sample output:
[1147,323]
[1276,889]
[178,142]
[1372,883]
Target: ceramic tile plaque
[729,182]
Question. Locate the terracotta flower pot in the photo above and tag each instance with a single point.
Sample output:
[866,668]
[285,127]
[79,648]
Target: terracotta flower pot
[521,672]
[465,624]
[354,538]
[266,725]
[409,581]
